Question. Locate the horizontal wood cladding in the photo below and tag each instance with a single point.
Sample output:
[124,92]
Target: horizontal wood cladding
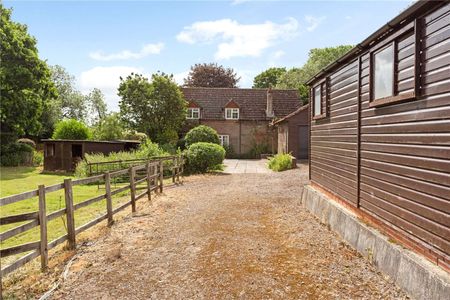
[393,161]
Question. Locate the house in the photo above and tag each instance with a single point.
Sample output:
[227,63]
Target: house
[241,116]
[63,155]
[293,132]
[380,130]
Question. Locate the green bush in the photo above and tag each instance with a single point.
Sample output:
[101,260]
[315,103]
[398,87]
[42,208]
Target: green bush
[16,154]
[280,162]
[71,129]
[38,158]
[202,157]
[201,133]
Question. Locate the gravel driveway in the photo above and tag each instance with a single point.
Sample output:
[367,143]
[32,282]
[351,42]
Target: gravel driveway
[239,236]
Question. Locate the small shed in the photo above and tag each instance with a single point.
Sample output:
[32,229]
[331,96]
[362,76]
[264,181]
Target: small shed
[293,132]
[63,155]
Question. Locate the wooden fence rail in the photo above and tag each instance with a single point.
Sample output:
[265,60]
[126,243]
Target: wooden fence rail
[151,173]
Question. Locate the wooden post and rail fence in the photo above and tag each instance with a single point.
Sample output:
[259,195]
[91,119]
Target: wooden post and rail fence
[151,173]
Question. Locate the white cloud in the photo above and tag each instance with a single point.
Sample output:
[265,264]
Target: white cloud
[238,40]
[179,77]
[279,54]
[106,79]
[146,50]
[313,22]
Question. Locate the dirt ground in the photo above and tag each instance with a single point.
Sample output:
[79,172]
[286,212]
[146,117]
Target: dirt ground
[239,236]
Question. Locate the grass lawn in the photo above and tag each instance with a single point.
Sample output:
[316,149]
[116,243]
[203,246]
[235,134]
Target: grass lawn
[20,179]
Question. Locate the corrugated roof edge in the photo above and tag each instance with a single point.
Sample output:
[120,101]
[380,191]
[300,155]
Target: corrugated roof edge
[300,109]
[90,141]
[391,25]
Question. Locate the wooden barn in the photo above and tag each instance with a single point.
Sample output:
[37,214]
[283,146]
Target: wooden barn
[63,155]
[380,129]
[293,133]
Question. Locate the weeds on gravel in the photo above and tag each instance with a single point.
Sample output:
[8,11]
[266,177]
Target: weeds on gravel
[280,162]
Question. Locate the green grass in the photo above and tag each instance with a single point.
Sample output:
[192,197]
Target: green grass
[16,180]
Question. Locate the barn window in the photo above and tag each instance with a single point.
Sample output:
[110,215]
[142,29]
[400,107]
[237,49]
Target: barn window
[232,113]
[383,81]
[193,113]
[50,150]
[320,99]
[317,101]
[393,67]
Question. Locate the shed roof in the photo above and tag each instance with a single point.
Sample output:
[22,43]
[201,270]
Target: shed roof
[296,112]
[252,102]
[391,26]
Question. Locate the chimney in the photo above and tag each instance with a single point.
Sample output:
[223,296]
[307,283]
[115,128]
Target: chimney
[269,107]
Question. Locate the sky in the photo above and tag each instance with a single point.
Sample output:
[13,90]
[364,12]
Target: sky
[99,41]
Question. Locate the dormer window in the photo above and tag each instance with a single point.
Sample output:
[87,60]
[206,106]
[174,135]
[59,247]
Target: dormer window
[193,113]
[232,113]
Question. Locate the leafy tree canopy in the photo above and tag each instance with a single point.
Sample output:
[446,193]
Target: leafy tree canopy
[71,103]
[25,83]
[109,128]
[71,129]
[211,75]
[269,78]
[157,108]
[97,106]
[317,60]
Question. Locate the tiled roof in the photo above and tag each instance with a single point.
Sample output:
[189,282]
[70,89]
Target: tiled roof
[299,110]
[252,102]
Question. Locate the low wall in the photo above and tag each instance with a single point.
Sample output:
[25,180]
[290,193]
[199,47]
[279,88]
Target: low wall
[415,275]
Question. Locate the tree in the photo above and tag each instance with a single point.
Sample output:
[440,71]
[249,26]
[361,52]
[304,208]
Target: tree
[25,83]
[109,128]
[71,129]
[71,103]
[269,78]
[97,106]
[211,75]
[317,60]
[155,107]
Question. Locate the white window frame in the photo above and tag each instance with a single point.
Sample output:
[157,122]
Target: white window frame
[234,113]
[191,111]
[224,140]
[317,102]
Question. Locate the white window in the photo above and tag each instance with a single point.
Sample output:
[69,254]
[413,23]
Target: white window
[193,113]
[232,113]
[224,140]
[317,100]
[383,85]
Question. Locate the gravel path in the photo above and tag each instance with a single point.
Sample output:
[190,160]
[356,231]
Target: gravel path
[233,236]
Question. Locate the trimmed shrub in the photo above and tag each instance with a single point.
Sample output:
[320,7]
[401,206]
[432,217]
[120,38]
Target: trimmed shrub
[71,129]
[201,133]
[280,162]
[202,157]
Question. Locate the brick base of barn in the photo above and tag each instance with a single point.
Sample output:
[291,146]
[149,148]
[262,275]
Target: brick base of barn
[414,274]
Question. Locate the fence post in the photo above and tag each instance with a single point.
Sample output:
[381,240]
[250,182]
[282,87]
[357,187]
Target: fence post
[173,169]
[149,183]
[109,207]
[133,189]
[161,175]
[43,228]
[70,213]
[182,167]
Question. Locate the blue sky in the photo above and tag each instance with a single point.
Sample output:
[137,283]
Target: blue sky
[99,41]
